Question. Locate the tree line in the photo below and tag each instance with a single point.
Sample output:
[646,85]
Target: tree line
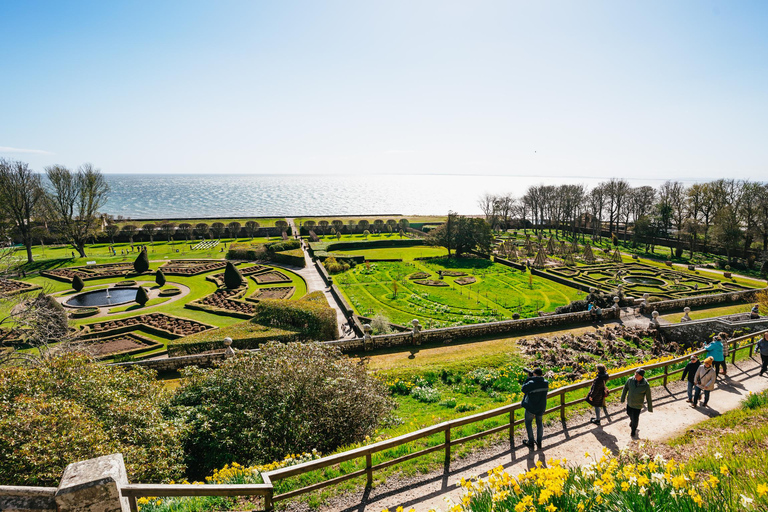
[732,214]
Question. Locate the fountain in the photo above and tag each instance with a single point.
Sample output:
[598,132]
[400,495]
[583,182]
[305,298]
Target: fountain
[102,298]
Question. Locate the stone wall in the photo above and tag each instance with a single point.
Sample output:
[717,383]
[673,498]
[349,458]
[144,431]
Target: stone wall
[175,363]
[697,332]
[703,301]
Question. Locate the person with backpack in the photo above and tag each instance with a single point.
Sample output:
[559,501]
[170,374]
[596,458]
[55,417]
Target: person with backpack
[715,351]
[704,381]
[636,391]
[534,402]
[762,347]
[598,392]
[690,372]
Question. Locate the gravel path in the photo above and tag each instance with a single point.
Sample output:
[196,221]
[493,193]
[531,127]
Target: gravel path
[671,415]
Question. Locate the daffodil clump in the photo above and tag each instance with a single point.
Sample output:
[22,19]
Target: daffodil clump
[230,474]
[628,481]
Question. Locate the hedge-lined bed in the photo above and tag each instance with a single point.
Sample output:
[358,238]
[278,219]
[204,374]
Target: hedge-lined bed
[245,335]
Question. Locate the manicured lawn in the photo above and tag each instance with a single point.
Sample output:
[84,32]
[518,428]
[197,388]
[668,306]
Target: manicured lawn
[497,293]
[404,253]
[709,312]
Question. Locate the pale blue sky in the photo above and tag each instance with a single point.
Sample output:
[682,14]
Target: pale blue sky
[654,89]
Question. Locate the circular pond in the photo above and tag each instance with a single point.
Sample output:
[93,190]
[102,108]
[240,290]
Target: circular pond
[644,280]
[99,298]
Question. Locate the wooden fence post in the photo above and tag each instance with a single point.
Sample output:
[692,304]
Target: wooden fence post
[751,345]
[666,374]
[512,428]
[368,469]
[733,353]
[268,507]
[448,446]
[562,406]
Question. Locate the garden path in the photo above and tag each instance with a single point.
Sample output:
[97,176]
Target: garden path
[315,283]
[671,416]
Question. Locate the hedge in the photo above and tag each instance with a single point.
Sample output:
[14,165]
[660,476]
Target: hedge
[141,264]
[245,335]
[294,257]
[313,318]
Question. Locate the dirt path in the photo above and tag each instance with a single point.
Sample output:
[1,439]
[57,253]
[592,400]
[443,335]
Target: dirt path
[671,415]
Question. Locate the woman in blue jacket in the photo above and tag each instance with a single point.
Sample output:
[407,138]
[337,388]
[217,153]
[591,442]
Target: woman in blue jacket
[715,351]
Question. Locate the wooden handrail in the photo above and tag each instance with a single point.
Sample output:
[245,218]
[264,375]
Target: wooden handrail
[133,491]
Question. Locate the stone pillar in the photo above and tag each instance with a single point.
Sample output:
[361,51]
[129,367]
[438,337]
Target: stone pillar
[367,338]
[686,316]
[655,320]
[229,351]
[416,332]
[93,485]
[616,303]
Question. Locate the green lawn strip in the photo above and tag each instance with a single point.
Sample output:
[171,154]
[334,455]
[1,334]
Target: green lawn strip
[404,253]
[710,312]
[138,308]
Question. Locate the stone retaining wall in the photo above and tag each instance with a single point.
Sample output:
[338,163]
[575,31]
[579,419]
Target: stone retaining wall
[176,363]
[697,332]
[703,301]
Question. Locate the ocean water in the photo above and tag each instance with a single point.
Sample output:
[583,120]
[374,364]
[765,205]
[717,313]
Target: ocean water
[174,196]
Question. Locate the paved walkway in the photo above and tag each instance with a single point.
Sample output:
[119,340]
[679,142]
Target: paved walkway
[671,415]
[315,282]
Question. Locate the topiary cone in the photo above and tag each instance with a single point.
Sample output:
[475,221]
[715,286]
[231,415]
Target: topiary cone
[141,296]
[77,283]
[232,277]
[160,278]
[141,264]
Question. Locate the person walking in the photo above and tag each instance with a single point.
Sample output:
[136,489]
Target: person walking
[762,347]
[534,402]
[690,372]
[636,392]
[704,381]
[715,351]
[598,392]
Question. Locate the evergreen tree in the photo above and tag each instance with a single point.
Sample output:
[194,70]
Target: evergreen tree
[141,264]
[141,296]
[160,278]
[232,276]
[77,283]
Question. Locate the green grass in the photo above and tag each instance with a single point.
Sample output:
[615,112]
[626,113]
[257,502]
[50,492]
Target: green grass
[264,222]
[709,312]
[404,253]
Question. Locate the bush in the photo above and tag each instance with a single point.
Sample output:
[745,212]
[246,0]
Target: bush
[84,312]
[141,264]
[293,257]
[333,266]
[463,407]
[448,402]
[68,409]
[141,296]
[232,276]
[314,320]
[160,278]
[77,283]
[425,394]
[755,400]
[380,324]
[284,399]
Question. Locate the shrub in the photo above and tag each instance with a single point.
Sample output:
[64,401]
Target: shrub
[425,394]
[293,257]
[314,320]
[448,402]
[380,324]
[283,399]
[333,266]
[141,296]
[84,312]
[755,400]
[77,283]
[141,264]
[463,407]
[232,276]
[160,278]
[68,409]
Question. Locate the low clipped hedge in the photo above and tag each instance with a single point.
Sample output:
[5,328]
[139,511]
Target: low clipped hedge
[245,335]
[126,283]
[294,257]
[84,312]
[310,316]
[169,292]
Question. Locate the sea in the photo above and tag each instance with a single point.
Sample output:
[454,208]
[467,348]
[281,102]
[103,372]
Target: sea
[182,196]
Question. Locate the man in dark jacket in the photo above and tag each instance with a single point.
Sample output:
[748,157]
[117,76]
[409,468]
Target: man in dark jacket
[534,402]
[690,372]
[636,392]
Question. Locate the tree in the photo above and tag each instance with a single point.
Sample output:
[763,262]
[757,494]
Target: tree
[462,234]
[291,408]
[251,227]
[324,226]
[112,230]
[378,225]
[160,278]
[363,224]
[201,229]
[186,230]
[129,230]
[75,200]
[217,229]
[148,230]
[234,229]
[232,276]
[21,194]
[141,263]
[391,225]
[168,229]
[281,225]
[141,296]
[337,225]
[309,225]
[77,283]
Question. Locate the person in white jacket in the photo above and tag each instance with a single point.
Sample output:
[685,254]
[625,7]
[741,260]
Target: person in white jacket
[704,381]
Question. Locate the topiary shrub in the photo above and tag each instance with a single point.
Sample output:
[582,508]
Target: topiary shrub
[160,278]
[291,407]
[141,296]
[77,283]
[232,276]
[67,409]
[141,264]
[84,312]
[313,319]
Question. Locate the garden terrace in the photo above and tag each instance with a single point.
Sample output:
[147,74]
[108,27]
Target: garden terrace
[638,278]
[166,324]
[191,267]
[499,292]
[271,277]
[10,287]
[102,271]
[118,345]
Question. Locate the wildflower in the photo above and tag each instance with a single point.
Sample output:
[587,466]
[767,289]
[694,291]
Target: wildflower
[724,470]
[580,507]
[625,486]
[642,491]
[762,490]
[551,508]
[718,455]
[745,501]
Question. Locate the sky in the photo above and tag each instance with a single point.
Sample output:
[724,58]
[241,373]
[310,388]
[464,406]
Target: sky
[653,89]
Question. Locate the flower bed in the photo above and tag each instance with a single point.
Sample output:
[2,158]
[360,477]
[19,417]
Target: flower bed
[84,312]
[191,267]
[430,282]
[273,276]
[465,280]
[120,344]
[11,287]
[419,275]
[102,271]
[165,324]
[277,292]
[169,292]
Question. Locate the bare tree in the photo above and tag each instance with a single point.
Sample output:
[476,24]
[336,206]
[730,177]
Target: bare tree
[186,230]
[234,229]
[324,226]
[378,225]
[596,205]
[337,225]
[112,230]
[251,227]
[168,229]
[217,228]
[75,200]
[21,193]
[129,230]
[202,229]
[148,230]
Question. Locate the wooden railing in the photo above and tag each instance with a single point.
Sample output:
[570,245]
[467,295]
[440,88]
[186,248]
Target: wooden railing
[266,489]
